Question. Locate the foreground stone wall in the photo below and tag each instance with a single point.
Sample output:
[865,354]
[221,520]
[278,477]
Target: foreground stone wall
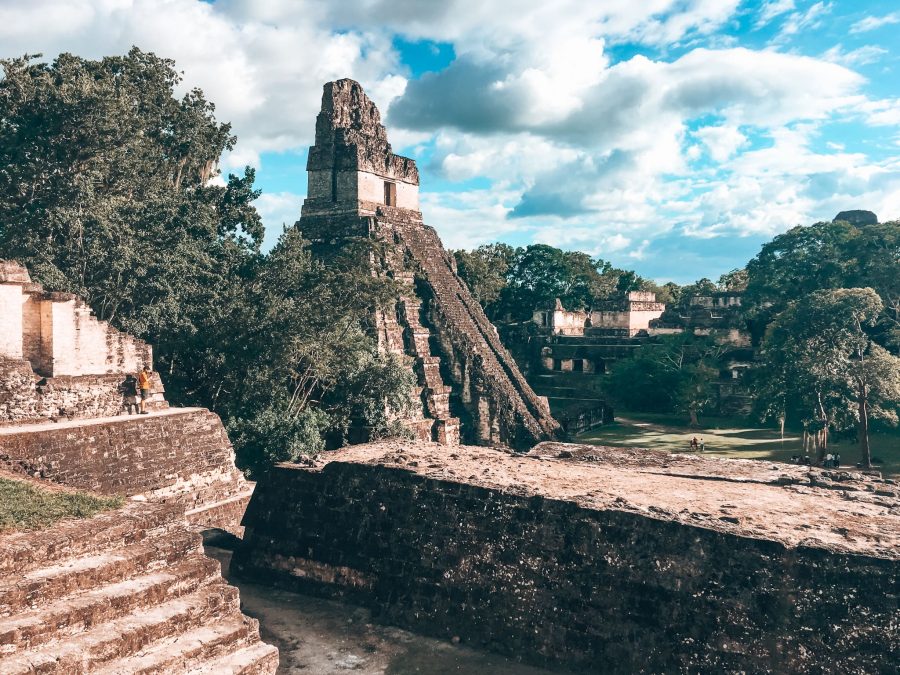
[179,456]
[603,560]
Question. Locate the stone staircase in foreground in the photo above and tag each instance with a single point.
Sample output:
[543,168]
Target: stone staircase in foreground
[124,592]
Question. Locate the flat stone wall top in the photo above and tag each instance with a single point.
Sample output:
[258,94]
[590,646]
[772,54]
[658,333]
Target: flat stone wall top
[841,511]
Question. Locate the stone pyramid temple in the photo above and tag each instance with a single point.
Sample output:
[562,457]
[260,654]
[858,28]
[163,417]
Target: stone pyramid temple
[469,387]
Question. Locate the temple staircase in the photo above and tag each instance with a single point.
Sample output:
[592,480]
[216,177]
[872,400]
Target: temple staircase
[124,592]
[444,427]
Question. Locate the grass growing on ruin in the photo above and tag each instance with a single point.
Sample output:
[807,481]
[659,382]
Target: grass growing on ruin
[729,437]
[26,507]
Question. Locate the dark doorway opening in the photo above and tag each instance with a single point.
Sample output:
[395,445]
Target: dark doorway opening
[390,194]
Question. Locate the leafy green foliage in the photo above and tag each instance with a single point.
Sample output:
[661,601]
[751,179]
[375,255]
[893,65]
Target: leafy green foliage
[105,192]
[829,256]
[819,362]
[512,282]
[675,373]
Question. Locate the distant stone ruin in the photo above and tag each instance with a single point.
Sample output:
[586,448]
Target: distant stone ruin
[57,360]
[857,217]
[469,386]
[625,316]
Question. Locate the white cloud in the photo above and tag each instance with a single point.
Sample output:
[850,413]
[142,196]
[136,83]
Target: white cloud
[469,219]
[880,113]
[808,20]
[278,209]
[265,78]
[855,57]
[722,141]
[772,9]
[873,22]
[582,151]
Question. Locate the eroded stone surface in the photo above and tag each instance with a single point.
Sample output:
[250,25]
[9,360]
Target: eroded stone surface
[123,592]
[57,360]
[179,455]
[596,558]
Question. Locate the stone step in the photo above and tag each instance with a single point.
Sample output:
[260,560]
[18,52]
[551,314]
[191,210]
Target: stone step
[200,646]
[74,614]
[258,659]
[41,586]
[117,639]
[226,514]
[21,552]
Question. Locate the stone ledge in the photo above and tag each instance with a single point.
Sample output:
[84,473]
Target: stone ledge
[796,506]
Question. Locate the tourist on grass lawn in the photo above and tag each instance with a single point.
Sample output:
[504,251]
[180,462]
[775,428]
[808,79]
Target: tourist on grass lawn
[836,462]
[693,443]
[702,444]
[144,384]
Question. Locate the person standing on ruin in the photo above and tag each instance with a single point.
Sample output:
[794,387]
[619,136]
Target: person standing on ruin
[144,384]
[129,389]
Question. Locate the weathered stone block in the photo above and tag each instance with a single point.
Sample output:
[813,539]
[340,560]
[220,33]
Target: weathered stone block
[606,560]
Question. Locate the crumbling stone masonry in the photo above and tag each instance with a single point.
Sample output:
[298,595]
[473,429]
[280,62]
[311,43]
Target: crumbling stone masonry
[597,559]
[56,359]
[124,592]
[61,412]
[469,385]
[180,456]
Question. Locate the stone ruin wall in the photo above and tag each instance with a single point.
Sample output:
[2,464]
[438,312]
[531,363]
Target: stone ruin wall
[61,412]
[624,562]
[57,359]
[130,590]
[180,456]
[469,386]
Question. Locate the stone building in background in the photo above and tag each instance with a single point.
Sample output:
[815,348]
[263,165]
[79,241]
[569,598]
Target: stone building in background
[571,351]
[469,386]
[57,359]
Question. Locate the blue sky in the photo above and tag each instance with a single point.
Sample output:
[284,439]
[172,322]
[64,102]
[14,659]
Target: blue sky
[672,137]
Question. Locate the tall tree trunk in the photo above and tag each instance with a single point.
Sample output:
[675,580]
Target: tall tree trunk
[822,445]
[695,422]
[864,449]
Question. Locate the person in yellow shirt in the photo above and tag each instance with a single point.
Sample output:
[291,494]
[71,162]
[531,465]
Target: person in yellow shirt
[143,379]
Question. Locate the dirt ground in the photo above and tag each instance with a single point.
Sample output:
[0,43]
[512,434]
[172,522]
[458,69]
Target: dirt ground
[321,637]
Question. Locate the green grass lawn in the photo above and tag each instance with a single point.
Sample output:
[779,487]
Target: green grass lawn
[26,507]
[726,437]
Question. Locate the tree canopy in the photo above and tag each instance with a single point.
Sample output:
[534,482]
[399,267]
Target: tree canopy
[829,255]
[513,282]
[819,361]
